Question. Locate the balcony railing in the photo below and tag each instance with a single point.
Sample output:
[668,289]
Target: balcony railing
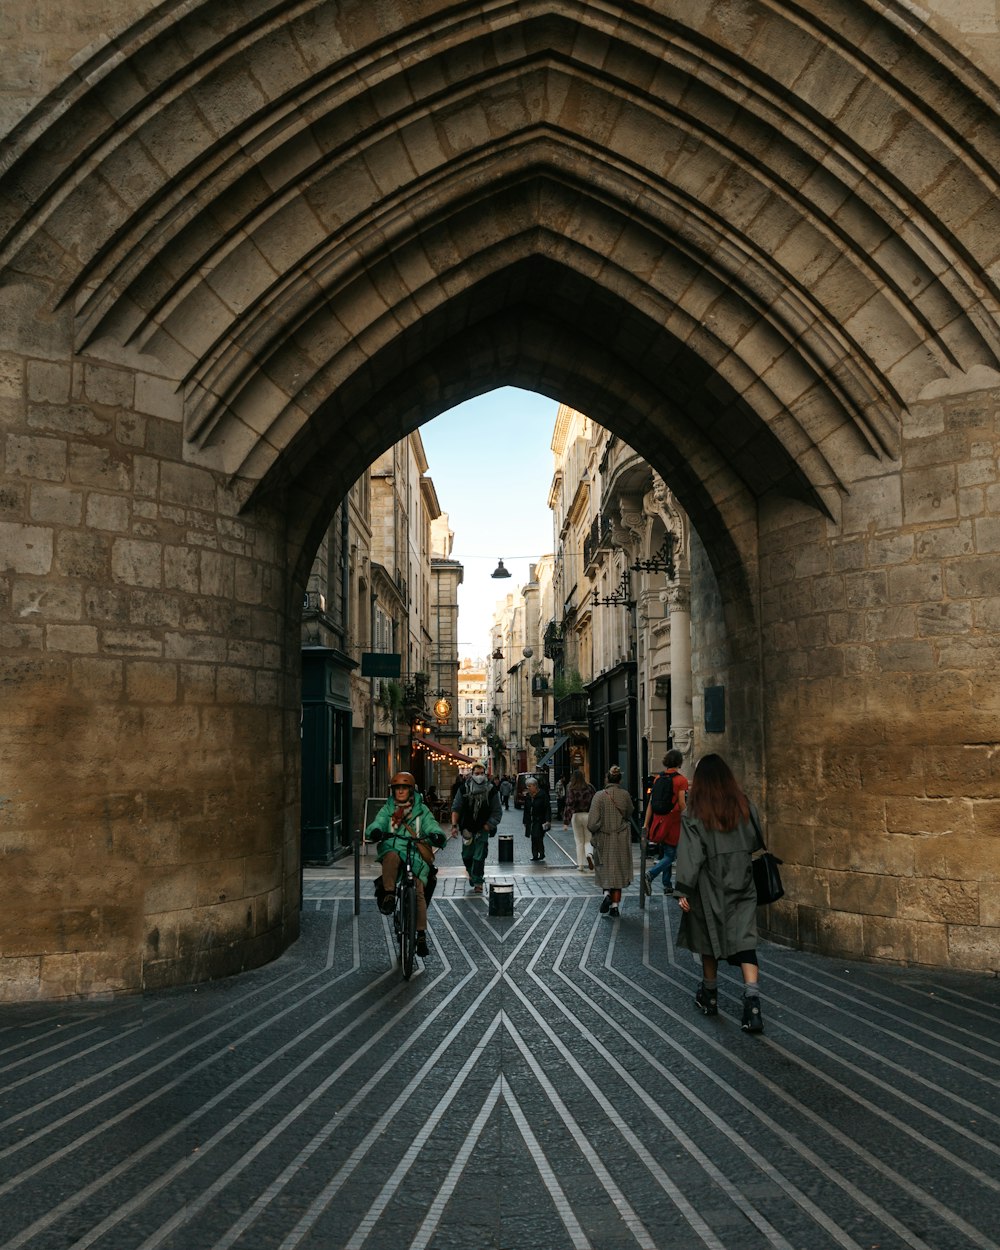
[597,537]
[571,709]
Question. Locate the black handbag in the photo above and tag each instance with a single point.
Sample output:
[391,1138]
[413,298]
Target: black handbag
[766,877]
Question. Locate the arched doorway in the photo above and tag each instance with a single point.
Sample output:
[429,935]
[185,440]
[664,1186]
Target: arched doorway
[242,255]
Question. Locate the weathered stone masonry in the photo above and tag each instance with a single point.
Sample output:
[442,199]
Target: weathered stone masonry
[244,249]
[880,635]
[145,751]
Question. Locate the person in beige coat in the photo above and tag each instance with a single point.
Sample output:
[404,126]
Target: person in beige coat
[611,838]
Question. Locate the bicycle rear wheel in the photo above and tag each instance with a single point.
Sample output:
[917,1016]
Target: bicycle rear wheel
[408,927]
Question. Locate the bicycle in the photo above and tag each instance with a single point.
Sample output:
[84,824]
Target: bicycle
[404,916]
[404,913]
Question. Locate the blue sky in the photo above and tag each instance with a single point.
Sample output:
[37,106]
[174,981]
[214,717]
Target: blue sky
[491,463]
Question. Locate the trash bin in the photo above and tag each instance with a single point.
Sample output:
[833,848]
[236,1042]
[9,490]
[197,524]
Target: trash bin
[501,900]
[505,848]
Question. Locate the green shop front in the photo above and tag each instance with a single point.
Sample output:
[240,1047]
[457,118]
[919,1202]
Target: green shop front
[326,755]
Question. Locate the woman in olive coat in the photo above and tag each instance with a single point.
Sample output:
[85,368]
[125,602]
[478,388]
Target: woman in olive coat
[715,885]
[611,838]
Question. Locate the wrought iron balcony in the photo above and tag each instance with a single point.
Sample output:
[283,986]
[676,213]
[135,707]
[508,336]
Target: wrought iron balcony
[571,709]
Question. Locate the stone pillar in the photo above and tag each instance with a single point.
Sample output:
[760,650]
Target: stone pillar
[881,637]
[148,732]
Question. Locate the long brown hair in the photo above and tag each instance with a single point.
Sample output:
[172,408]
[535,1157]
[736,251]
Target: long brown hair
[577,780]
[715,797]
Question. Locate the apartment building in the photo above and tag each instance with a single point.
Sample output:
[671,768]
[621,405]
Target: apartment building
[603,626]
[379,648]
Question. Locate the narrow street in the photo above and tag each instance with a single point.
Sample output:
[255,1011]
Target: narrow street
[542,1081]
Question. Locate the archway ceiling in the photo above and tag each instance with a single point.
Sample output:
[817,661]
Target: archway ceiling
[765,236]
[533,349]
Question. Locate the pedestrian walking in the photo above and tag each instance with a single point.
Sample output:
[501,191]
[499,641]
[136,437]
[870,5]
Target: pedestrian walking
[579,796]
[476,812]
[715,885]
[536,817]
[611,838]
[662,821]
[505,789]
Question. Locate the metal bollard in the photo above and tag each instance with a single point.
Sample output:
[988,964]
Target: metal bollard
[505,848]
[501,899]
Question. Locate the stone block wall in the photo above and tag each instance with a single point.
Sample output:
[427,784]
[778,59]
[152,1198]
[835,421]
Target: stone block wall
[378,225]
[147,831]
[724,652]
[883,761]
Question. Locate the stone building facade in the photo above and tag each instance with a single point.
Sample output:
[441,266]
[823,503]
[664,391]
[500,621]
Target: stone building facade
[243,250]
[444,695]
[336,714]
[357,729]
[473,707]
[616,634]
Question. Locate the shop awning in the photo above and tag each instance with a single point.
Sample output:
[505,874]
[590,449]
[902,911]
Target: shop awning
[547,757]
[439,748]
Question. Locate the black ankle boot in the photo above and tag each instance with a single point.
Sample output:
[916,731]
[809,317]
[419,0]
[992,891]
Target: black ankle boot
[707,1000]
[753,1021]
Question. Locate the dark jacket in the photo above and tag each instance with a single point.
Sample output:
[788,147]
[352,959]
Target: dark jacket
[714,873]
[537,812]
[478,811]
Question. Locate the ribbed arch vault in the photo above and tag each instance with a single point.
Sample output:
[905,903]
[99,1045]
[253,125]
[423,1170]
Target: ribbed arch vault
[754,239]
[249,244]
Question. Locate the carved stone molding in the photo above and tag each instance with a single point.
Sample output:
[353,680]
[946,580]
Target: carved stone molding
[659,504]
[683,736]
[628,529]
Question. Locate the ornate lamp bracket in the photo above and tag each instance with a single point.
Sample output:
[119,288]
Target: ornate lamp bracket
[622,596]
[663,561]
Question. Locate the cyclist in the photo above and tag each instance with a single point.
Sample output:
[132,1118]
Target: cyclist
[405,817]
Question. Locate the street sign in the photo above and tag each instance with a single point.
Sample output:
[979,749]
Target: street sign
[547,731]
[381,663]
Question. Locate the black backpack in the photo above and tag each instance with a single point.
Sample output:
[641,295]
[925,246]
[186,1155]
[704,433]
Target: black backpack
[663,796]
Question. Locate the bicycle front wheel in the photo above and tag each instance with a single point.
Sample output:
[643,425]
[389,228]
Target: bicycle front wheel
[408,928]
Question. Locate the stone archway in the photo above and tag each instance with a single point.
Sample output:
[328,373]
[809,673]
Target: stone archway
[243,251]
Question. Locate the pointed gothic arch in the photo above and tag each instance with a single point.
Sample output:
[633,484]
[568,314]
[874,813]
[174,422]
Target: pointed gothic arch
[243,248]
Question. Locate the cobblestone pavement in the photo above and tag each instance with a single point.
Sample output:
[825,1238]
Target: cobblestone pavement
[542,1082]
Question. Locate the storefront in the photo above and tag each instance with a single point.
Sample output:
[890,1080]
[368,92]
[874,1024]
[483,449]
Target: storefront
[326,754]
[613,718]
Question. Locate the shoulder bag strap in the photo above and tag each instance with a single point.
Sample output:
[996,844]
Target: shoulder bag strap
[620,811]
[760,836]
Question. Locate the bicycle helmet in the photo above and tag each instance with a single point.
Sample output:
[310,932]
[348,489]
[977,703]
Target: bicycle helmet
[403,779]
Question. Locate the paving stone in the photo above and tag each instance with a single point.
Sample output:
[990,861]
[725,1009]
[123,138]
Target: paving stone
[576,1093]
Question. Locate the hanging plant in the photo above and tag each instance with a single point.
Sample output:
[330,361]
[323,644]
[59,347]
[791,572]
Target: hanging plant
[390,699]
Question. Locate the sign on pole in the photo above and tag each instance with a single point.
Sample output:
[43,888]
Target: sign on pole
[381,663]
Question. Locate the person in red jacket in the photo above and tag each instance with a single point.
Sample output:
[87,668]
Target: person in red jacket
[662,821]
